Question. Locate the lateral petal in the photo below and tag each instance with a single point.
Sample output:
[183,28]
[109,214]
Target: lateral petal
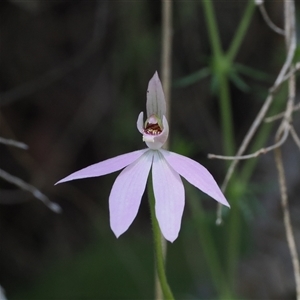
[105,167]
[195,174]
[169,197]
[126,193]
[140,123]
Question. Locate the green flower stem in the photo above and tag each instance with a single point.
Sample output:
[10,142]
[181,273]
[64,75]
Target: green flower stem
[160,264]
[221,68]
[212,28]
[241,31]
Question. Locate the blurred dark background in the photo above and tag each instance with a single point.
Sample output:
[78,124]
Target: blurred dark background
[73,79]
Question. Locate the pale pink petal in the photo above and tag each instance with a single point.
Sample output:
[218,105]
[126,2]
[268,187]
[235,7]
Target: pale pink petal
[126,193]
[195,174]
[169,197]
[105,167]
[140,123]
[156,104]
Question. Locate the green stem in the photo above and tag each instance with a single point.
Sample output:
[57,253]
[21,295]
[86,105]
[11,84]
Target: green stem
[241,31]
[212,28]
[221,72]
[160,264]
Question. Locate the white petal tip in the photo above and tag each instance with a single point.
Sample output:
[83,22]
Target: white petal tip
[117,233]
[171,236]
[224,202]
[171,240]
[60,181]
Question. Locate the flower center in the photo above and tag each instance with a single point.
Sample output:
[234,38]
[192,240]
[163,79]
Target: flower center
[152,127]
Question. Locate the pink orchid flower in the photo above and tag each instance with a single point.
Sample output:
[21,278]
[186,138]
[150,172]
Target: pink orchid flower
[126,193]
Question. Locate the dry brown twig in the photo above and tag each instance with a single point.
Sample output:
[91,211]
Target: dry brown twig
[281,78]
[262,9]
[287,73]
[295,136]
[22,184]
[30,188]
[13,143]
[290,38]
[279,116]
[287,219]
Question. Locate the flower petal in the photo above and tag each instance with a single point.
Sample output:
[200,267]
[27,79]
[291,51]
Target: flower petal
[105,167]
[126,193]
[156,103]
[140,123]
[169,197]
[195,174]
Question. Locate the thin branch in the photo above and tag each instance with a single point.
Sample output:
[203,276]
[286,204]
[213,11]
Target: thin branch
[292,43]
[261,115]
[295,136]
[257,153]
[30,188]
[13,143]
[287,220]
[290,38]
[281,115]
[166,67]
[247,139]
[267,19]
[219,219]
[293,70]
[166,54]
